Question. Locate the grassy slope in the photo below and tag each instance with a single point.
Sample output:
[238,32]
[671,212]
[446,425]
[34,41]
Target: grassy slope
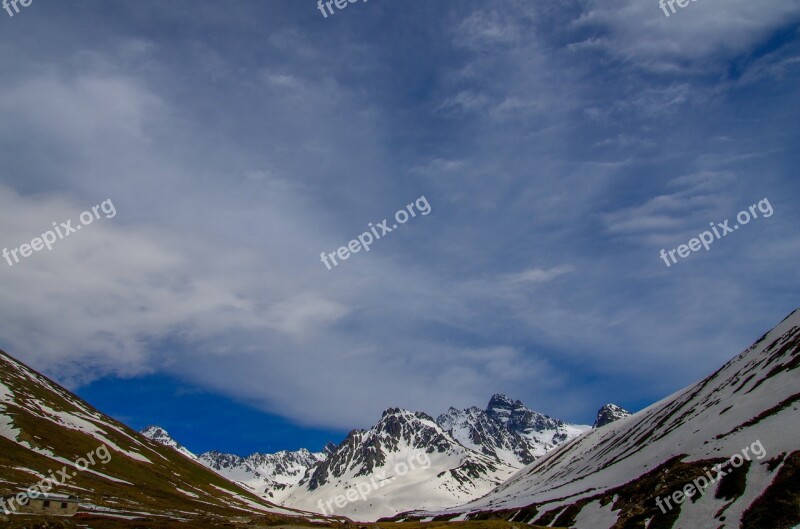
[154,484]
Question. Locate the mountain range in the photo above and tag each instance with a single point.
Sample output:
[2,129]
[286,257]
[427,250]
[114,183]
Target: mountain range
[722,453]
[470,452]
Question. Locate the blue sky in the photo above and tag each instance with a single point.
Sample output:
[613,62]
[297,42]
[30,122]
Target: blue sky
[561,146]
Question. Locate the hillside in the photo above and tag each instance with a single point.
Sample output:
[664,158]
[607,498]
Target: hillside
[44,428]
[745,416]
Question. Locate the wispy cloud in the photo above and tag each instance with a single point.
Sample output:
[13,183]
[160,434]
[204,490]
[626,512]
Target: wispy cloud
[538,275]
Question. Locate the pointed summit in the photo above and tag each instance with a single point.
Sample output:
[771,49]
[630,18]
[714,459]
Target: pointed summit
[610,413]
[502,402]
[507,431]
[161,436]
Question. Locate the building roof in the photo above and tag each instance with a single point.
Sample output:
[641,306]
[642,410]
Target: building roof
[46,496]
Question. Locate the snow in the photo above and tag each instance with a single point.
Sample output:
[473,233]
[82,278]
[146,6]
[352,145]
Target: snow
[695,514]
[595,516]
[277,473]
[503,440]
[90,470]
[31,471]
[253,505]
[446,482]
[6,395]
[75,422]
[190,494]
[121,516]
[419,488]
[7,429]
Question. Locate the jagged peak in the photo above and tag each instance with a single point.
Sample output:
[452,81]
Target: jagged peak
[395,411]
[153,428]
[610,413]
[502,400]
[612,406]
[404,415]
[159,434]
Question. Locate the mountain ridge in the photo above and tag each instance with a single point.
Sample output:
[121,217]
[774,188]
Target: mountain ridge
[475,448]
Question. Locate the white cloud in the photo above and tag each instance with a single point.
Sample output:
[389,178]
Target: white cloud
[86,111]
[539,275]
[95,303]
[700,195]
[305,313]
[639,32]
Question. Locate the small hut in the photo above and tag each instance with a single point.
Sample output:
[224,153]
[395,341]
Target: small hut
[42,503]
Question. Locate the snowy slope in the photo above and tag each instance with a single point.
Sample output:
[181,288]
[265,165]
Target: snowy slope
[612,475]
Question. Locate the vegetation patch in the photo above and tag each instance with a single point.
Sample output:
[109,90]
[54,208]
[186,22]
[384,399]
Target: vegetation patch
[779,506]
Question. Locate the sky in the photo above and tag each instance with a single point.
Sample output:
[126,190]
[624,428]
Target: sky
[549,151]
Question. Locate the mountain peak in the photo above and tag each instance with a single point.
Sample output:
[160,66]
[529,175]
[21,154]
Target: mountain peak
[499,400]
[394,411]
[394,415]
[610,413]
[161,436]
[154,430]
[507,431]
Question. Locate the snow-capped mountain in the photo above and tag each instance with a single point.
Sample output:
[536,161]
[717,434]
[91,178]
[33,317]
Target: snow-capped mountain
[470,450]
[160,435]
[270,475]
[508,431]
[636,472]
[404,461]
[610,413]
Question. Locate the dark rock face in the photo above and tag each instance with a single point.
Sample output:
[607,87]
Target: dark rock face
[610,413]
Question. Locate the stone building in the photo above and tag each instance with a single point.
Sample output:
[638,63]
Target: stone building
[48,504]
